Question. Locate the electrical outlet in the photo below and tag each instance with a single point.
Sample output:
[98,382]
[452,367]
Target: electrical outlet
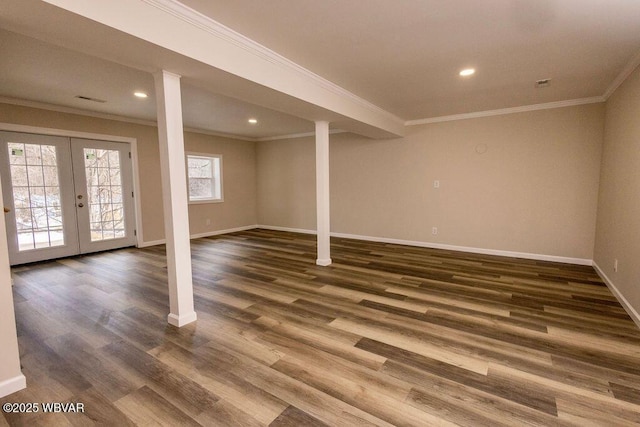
[615,265]
[434,231]
[436,184]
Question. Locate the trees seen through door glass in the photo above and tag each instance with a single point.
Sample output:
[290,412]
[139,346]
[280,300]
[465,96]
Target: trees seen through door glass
[104,194]
[36,195]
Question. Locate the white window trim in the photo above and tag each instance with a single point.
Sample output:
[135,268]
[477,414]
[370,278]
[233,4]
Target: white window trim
[211,156]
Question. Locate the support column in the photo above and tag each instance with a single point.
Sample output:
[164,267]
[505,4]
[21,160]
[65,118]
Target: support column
[322,193]
[11,378]
[175,198]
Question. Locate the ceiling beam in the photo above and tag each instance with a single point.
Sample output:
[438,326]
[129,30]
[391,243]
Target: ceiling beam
[201,38]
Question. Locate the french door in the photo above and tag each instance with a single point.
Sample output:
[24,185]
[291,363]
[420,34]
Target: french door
[66,196]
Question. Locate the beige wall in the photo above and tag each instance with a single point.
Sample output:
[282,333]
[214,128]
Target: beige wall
[534,190]
[286,183]
[239,207]
[618,227]
[239,180]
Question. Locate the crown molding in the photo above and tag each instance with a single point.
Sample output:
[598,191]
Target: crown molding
[624,74]
[206,23]
[152,123]
[106,116]
[77,111]
[12,127]
[503,111]
[215,28]
[73,110]
[220,134]
[297,135]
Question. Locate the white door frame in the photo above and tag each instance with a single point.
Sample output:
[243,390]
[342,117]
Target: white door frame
[87,135]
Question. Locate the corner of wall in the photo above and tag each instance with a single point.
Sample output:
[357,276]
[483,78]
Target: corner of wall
[631,311]
[617,222]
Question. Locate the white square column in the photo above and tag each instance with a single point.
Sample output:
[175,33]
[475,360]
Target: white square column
[11,377]
[175,198]
[322,193]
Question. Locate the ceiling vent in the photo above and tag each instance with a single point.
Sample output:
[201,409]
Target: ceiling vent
[88,98]
[543,83]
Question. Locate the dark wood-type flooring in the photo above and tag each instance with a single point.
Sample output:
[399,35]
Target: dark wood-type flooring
[387,335]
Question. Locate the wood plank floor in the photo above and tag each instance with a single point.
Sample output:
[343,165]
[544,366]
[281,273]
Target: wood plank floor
[387,335]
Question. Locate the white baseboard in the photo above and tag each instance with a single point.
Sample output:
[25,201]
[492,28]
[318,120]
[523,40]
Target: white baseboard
[616,292]
[12,385]
[525,255]
[288,229]
[227,231]
[635,316]
[152,243]
[199,235]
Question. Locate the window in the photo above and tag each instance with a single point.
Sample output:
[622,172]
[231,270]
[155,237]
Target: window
[204,172]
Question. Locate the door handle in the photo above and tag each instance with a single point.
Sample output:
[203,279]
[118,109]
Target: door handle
[7,210]
[80,205]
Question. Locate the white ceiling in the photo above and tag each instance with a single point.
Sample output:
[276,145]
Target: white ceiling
[34,70]
[403,56]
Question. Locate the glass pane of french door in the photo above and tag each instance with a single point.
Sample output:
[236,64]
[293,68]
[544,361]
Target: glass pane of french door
[104,193]
[37,187]
[104,197]
[36,195]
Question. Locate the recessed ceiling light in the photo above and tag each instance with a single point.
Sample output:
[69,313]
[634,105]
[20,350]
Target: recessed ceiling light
[467,72]
[140,94]
[253,121]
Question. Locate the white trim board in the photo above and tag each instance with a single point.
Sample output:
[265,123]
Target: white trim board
[151,243]
[200,235]
[635,316]
[297,135]
[12,385]
[137,199]
[503,111]
[633,63]
[227,231]
[143,122]
[511,254]
[624,74]
[10,127]
[74,110]
[288,229]
[114,117]
[482,251]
